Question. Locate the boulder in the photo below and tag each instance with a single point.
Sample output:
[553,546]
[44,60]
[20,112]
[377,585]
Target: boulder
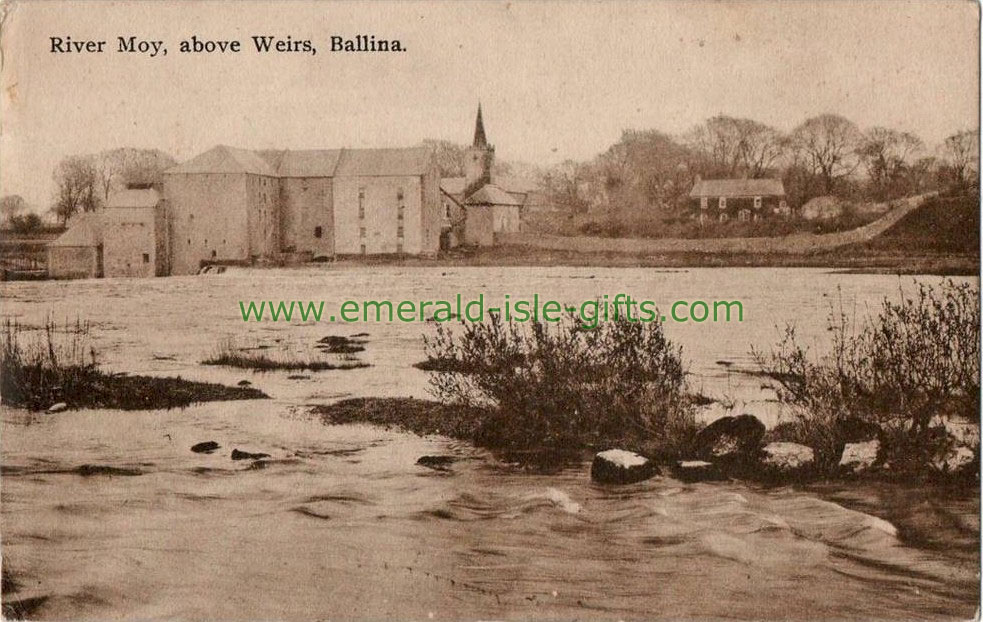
[617,466]
[57,408]
[782,458]
[205,447]
[245,455]
[697,471]
[856,430]
[954,459]
[857,457]
[729,439]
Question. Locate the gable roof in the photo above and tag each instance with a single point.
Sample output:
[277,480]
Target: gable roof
[225,159]
[147,197]
[383,162]
[308,163]
[83,230]
[514,185]
[490,194]
[738,188]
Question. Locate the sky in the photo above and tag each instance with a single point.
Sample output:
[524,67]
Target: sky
[556,80]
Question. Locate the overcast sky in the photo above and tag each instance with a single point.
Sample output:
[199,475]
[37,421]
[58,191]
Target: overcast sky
[556,81]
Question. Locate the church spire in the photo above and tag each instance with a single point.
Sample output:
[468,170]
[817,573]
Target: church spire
[480,141]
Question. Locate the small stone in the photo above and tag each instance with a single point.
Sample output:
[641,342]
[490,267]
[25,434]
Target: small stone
[205,447]
[57,408]
[298,377]
[245,455]
[244,383]
[617,466]
[859,457]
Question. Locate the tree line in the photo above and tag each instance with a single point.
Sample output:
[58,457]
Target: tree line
[648,171]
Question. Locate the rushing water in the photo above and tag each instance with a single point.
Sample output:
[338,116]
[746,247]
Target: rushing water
[342,523]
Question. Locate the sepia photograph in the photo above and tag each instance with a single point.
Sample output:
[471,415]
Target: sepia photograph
[645,310]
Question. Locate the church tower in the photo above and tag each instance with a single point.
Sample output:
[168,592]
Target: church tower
[479,158]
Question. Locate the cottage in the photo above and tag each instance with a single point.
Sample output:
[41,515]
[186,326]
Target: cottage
[134,234]
[738,199]
[77,253]
[489,211]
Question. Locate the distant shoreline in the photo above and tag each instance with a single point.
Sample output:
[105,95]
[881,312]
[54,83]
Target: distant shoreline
[862,262]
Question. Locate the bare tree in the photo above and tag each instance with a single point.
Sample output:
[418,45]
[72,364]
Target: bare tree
[77,187]
[10,206]
[961,151]
[827,145]
[887,154]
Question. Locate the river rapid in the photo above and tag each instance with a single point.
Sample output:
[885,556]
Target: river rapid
[341,523]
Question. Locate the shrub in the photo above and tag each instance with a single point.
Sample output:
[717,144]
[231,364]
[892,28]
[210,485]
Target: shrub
[914,362]
[559,386]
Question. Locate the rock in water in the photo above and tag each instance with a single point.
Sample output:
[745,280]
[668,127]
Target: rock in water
[617,466]
[730,439]
[57,408]
[859,457]
[954,459]
[787,457]
[244,383]
[697,471]
[436,462]
[206,447]
[245,455]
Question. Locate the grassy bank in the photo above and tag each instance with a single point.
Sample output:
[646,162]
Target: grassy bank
[230,354]
[58,366]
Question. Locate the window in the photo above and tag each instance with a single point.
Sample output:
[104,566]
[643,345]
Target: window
[722,202]
[399,231]
[317,232]
[757,202]
[399,248]
[362,249]
[703,202]
[146,258]
[361,203]
[723,217]
[399,194]
[399,213]
[744,215]
[361,232]
[361,192]
[447,211]
[214,254]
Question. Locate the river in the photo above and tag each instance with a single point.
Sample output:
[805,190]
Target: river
[342,524]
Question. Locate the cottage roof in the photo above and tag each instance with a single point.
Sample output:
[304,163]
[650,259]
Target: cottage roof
[225,159]
[738,188]
[146,197]
[490,194]
[83,230]
[383,162]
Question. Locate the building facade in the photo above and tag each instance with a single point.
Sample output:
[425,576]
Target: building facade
[134,234]
[722,200]
[241,207]
[237,206]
